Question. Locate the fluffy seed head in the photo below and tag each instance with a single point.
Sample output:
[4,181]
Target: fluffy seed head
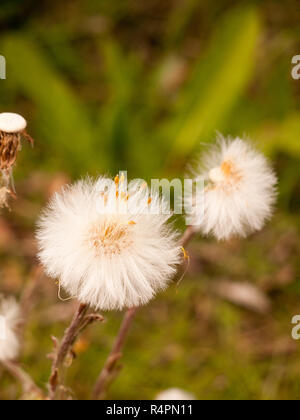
[10,316]
[12,123]
[239,192]
[109,247]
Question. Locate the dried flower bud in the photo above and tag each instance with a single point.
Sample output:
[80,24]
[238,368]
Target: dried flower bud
[12,130]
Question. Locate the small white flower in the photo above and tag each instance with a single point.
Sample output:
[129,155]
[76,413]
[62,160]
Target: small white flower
[239,193]
[10,317]
[105,247]
[12,123]
[175,394]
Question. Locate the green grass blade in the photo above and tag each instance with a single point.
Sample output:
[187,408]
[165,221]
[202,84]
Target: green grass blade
[219,80]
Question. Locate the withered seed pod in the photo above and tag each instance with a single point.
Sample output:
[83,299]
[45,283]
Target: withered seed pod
[12,129]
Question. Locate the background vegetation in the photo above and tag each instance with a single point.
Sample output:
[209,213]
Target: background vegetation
[141,86]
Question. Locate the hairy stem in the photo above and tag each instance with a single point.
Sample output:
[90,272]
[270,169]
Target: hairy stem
[187,235]
[63,349]
[114,356]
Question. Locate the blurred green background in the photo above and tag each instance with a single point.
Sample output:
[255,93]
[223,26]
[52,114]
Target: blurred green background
[142,86]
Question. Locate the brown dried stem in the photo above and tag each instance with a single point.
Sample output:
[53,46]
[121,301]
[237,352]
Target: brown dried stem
[65,347]
[115,354]
[79,322]
[187,235]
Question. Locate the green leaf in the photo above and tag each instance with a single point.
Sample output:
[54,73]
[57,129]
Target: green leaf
[281,136]
[220,78]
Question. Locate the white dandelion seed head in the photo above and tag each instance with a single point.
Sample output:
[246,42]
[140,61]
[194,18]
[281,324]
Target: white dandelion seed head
[10,317]
[175,394]
[104,245]
[12,123]
[240,190]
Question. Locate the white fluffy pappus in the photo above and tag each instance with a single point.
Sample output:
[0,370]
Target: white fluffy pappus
[10,317]
[239,191]
[109,248]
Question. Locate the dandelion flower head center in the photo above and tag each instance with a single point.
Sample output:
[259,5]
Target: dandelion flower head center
[225,175]
[111,236]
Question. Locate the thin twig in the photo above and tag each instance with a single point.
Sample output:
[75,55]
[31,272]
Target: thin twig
[62,351]
[187,235]
[115,354]
[90,319]
[28,385]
